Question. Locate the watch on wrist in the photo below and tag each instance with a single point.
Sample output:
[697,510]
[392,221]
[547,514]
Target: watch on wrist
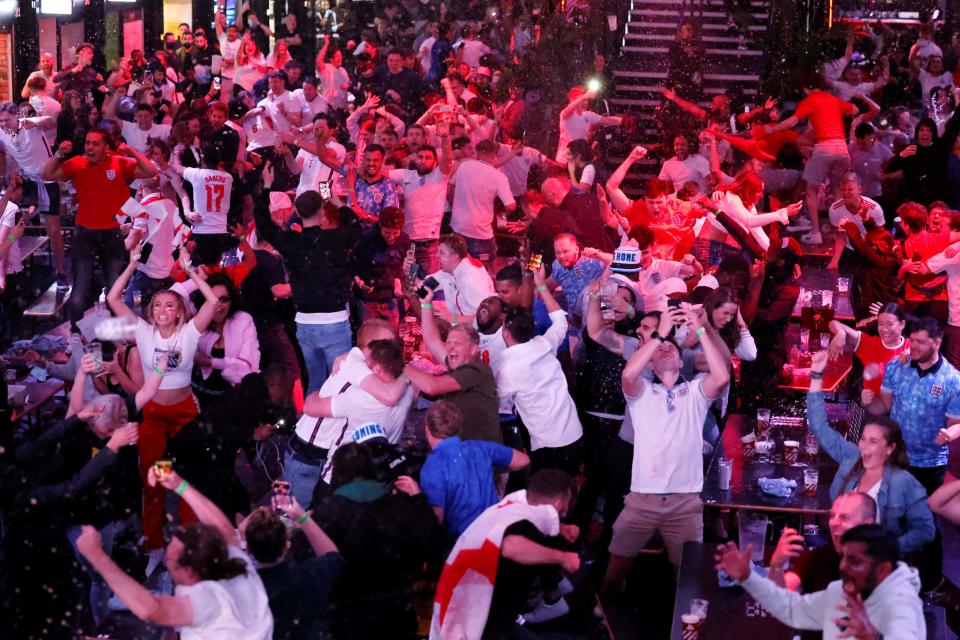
[816,375]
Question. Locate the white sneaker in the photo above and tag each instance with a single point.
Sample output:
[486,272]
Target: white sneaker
[565,587]
[545,612]
[800,224]
[812,238]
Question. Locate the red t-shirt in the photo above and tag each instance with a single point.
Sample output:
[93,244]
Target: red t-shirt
[871,350]
[920,247]
[101,188]
[825,112]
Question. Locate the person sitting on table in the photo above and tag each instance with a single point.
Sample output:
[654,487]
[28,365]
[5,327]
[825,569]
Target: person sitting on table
[877,466]
[873,351]
[814,569]
[876,596]
[469,381]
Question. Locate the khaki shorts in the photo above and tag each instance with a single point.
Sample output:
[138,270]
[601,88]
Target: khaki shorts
[678,517]
[829,159]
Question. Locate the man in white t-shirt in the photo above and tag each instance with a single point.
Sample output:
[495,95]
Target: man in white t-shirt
[212,189]
[531,376]
[667,415]
[425,51]
[143,127]
[230,42]
[155,225]
[218,594]
[465,282]
[477,184]
[313,102]
[471,49]
[575,120]
[345,402]
[857,209]
[285,109]
[684,167]
[24,141]
[318,159]
[424,198]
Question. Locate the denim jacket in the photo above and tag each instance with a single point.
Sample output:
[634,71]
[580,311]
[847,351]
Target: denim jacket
[902,500]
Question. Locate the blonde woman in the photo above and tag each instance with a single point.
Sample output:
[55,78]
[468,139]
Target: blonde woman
[166,330]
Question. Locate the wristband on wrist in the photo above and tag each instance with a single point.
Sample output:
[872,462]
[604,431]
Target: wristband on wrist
[426,305]
[816,375]
[158,371]
[303,519]
[182,488]
[700,332]
[11,237]
[456,319]
[542,288]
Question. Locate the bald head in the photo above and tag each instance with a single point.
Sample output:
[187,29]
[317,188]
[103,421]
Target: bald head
[850,510]
[375,329]
[553,191]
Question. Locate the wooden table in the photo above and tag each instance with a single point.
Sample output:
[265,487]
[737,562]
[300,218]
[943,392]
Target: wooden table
[733,613]
[744,493]
[37,395]
[813,278]
[835,373]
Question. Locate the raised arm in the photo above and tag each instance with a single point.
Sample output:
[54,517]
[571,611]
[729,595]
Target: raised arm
[632,376]
[145,168]
[836,446]
[52,171]
[558,317]
[168,611]
[205,314]
[115,295]
[319,541]
[206,511]
[719,367]
[687,106]
[430,330]
[575,103]
[596,327]
[619,199]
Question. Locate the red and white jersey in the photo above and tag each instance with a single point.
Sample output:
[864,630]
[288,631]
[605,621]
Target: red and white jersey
[211,198]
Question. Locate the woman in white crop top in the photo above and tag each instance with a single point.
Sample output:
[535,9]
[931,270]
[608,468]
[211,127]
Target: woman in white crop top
[167,330]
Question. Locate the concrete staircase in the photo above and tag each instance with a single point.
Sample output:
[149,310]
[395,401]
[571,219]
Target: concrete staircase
[644,60]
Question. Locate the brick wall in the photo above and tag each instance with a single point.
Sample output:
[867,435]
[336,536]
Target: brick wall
[6,65]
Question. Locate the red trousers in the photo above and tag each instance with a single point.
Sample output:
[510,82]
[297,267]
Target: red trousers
[160,423]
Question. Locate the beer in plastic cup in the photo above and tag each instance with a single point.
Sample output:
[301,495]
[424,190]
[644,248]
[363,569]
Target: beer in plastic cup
[692,625]
[791,450]
[749,443]
[811,478]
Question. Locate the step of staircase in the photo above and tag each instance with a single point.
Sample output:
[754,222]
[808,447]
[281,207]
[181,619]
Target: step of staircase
[641,71]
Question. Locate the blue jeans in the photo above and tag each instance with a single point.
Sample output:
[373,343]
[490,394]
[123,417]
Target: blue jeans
[302,476]
[143,287]
[321,344]
[99,591]
[88,244]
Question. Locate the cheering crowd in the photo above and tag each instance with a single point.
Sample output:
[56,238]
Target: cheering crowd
[384,347]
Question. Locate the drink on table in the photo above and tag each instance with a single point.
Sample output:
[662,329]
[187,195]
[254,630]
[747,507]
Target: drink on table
[843,286]
[749,444]
[725,473]
[763,421]
[811,447]
[811,478]
[764,446]
[791,451]
[692,626]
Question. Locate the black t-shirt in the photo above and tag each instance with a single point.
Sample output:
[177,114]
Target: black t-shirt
[299,595]
[817,568]
[257,289]
[598,385]
[514,581]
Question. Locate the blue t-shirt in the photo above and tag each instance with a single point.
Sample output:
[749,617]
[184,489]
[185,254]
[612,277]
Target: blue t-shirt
[575,279]
[458,477]
[922,406]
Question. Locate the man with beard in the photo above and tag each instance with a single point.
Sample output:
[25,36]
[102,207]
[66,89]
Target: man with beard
[875,597]
[370,193]
[813,570]
[424,196]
